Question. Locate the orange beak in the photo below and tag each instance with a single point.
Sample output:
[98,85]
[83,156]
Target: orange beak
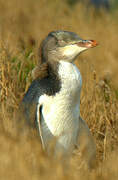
[88,43]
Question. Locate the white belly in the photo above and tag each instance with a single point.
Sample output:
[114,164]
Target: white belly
[60,113]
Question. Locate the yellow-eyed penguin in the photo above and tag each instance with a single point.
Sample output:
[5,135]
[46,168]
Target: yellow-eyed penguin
[55,92]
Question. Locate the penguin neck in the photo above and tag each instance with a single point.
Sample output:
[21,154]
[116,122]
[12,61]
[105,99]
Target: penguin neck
[69,71]
[68,75]
[61,68]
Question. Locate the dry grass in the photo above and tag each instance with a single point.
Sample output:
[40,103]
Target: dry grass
[23,25]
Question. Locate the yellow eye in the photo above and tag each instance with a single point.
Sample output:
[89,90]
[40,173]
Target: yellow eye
[61,43]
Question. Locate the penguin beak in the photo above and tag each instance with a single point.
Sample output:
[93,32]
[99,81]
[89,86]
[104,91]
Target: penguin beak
[87,43]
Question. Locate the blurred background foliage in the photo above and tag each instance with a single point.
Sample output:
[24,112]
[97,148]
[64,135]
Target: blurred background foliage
[23,25]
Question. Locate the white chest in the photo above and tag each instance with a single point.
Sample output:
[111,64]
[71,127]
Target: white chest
[60,113]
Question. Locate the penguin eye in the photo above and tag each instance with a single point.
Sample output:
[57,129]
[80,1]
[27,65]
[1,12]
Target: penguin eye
[61,42]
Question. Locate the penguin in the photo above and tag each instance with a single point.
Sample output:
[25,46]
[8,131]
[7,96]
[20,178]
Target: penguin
[54,96]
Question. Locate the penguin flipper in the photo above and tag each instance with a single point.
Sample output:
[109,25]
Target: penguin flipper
[38,119]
